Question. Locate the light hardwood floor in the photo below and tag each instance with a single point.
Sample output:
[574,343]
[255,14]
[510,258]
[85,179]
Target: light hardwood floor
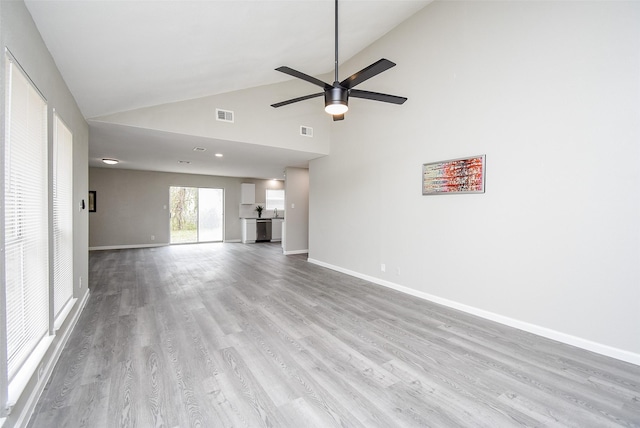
[233,335]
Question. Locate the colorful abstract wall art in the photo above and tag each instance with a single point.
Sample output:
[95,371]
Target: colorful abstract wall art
[455,176]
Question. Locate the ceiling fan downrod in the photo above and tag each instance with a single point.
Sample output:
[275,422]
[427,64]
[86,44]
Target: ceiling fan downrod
[336,99]
[336,44]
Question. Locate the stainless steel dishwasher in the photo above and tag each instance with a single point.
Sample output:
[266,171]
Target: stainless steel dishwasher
[263,229]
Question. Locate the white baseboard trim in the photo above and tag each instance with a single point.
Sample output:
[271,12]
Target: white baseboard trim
[126,247]
[30,405]
[599,348]
[232,241]
[288,253]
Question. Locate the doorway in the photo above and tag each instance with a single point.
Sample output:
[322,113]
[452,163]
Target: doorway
[197,214]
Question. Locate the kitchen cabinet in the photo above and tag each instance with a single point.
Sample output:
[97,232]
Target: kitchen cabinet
[276,229]
[247,193]
[248,230]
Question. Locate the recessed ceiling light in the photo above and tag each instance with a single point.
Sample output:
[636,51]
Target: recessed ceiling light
[110,161]
[184,161]
[199,149]
[219,155]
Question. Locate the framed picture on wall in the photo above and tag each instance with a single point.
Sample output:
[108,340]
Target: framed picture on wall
[454,176]
[92,201]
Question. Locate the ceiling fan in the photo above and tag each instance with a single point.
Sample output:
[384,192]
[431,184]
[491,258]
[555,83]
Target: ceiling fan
[336,96]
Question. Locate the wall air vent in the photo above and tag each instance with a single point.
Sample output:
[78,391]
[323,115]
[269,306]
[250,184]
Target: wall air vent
[224,115]
[306,131]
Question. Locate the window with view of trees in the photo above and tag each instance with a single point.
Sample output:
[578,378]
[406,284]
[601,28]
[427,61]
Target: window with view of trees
[196,214]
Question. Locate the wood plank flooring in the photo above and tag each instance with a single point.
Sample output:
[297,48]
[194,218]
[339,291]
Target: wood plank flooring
[233,335]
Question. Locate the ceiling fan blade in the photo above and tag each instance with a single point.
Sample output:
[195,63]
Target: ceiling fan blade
[338,117]
[376,96]
[295,100]
[305,77]
[367,73]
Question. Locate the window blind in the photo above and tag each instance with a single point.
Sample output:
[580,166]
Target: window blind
[62,219]
[275,199]
[26,234]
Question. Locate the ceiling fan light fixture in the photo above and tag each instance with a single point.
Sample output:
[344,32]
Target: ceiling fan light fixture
[336,109]
[336,101]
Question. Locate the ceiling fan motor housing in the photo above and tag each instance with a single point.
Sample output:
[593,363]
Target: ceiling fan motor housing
[336,95]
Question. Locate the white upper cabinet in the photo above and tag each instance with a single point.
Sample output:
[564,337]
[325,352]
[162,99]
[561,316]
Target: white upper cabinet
[247,193]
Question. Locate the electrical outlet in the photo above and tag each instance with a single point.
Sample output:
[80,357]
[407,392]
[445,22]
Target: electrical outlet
[80,282]
[153,237]
[383,267]
[397,271]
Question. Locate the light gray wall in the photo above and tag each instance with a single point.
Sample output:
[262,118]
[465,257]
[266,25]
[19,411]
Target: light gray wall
[19,34]
[262,186]
[134,205]
[550,92]
[255,122]
[296,221]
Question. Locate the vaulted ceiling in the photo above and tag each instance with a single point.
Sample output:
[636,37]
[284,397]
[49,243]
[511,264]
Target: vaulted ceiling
[118,56]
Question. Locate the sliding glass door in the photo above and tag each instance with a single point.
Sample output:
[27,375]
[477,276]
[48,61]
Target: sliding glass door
[197,214]
[210,215]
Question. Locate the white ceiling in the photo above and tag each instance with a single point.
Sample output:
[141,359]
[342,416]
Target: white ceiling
[121,55]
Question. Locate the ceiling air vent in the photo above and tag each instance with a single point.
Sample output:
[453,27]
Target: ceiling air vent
[224,115]
[306,131]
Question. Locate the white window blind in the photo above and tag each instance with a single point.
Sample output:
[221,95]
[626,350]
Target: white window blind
[275,199]
[62,219]
[26,234]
